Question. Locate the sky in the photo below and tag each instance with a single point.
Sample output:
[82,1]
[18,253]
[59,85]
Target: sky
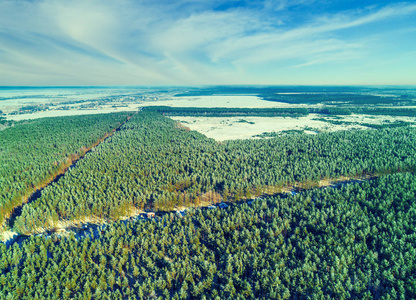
[207,42]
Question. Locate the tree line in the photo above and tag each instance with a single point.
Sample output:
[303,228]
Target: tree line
[353,99]
[228,112]
[279,112]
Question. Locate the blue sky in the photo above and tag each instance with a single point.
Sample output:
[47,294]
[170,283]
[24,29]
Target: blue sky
[185,42]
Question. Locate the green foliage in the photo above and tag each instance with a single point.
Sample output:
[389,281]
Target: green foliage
[228,112]
[156,164]
[404,112]
[356,242]
[385,124]
[34,152]
[28,109]
[340,99]
[279,112]
[279,133]
[245,121]
[331,111]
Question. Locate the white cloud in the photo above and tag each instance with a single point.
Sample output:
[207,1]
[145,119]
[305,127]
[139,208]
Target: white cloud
[357,18]
[177,42]
[301,42]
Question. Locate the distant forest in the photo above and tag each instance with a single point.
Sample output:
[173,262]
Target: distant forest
[263,90]
[278,112]
[327,95]
[344,99]
[228,112]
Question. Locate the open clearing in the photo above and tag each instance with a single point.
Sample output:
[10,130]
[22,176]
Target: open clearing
[221,101]
[219,128]
[369,119]
[59,109]
[232,128]
[74,112]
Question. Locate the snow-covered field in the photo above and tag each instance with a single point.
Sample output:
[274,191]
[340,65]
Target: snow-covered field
[75,112]
[232,128]
[217,128]
[220,101]
[8,106]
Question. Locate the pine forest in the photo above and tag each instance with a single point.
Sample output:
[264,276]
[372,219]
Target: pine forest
[353,241]
[33,153]
[356,242]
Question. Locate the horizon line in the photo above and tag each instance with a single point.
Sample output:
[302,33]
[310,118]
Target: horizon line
[208,85]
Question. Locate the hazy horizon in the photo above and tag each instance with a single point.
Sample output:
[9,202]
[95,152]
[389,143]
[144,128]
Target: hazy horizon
[410,86]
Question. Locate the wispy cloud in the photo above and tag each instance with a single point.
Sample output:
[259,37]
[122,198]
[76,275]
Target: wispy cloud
[361,17]
[182,42]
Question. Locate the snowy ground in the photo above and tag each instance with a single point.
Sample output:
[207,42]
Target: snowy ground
[8,106]
[233,128]
[74,112]
[217,128]
[221,101]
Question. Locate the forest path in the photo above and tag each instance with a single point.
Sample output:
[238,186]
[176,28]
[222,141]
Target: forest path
[17,211]
[84,229]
